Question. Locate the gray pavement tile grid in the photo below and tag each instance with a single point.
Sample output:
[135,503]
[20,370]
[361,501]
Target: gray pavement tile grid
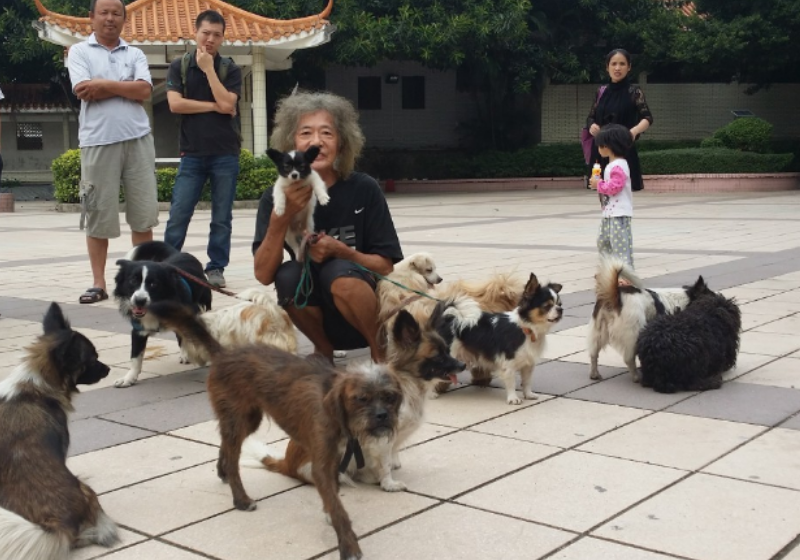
[589,470]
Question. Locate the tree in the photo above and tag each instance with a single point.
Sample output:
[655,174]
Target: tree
[749,41]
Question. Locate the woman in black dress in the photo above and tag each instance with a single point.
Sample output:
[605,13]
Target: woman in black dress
[620,102]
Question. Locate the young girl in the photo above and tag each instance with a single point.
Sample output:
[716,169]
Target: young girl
[616,238]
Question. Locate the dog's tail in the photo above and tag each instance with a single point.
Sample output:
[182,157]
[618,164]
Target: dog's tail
[463,311]
[259,296]
[500,292]
[609,272]
[151,251]
[22,540]
[183,321]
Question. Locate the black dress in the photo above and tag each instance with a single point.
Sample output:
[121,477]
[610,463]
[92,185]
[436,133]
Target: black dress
[621,103]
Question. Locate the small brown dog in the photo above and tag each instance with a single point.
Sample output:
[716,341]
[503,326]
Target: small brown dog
[44,509]
[310,401]
[419,358]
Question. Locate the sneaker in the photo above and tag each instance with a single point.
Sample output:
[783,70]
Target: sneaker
[215,278]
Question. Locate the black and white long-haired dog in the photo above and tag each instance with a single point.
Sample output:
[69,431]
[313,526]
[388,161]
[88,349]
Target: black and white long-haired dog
[150,273]
[504,344]
[690,350]
[294,168]
[45,510]
[622,311]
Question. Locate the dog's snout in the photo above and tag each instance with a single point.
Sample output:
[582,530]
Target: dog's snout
[139,301]
[294,175]
[381,415]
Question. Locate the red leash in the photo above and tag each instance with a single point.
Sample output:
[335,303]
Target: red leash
[202,282]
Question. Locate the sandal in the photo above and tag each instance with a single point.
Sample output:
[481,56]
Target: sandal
[93,295]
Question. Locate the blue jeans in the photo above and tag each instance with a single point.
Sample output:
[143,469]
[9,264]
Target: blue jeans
[192,175]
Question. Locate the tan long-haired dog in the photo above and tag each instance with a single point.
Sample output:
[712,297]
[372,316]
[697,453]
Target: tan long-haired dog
[418,359]
[310,401]
[259,320]
[45,510]
[416,272]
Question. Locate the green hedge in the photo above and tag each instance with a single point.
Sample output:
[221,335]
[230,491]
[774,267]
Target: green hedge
[712,160]
[749,134]
[256,174]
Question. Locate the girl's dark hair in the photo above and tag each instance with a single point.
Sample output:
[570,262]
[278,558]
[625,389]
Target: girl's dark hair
[616,138]
[623,52]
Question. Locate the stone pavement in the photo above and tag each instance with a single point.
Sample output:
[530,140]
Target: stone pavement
[592,470]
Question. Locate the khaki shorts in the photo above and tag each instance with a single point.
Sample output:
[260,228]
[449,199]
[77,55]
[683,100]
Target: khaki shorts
[103,168]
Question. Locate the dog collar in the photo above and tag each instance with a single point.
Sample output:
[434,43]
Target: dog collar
[529,333]
[353,448]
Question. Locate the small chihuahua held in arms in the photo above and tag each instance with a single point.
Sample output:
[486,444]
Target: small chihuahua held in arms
[294,168]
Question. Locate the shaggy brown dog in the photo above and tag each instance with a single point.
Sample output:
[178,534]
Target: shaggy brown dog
[44,509]
[420,358]
[313,403]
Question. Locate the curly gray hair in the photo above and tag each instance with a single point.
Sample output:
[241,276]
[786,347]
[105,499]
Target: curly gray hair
[345,120]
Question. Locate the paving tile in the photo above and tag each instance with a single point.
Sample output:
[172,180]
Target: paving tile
[746,363]
[91,434]
[291,526]
[684,442]
[103,401]
[153,550]
[166,415]
[127,538]
[597,549]
[557,346]
[770,344]
[794,554]
[783,372]
[623,391]
[770,459]
[561,422]
[743,402]
[561,377]
[728,512]
[462,533]
[207,432]
[193,495]
[788,325]
[573,490]
[457,462]
[470,405]
[133,462]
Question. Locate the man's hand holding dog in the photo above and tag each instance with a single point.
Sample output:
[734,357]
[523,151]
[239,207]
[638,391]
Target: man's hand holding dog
[325,247]
[297,197]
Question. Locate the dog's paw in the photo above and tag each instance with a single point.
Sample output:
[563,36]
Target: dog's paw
[513,400]
[391,485]
[324,199]
[531,396]
[595,375]
[124,383]
[244,505]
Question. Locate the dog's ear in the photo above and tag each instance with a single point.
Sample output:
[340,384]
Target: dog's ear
[406,332]
[275,156]
[698,289]
[531,286]
[122,262]
[335,404]
[311,154]
[555,287]
[54,320]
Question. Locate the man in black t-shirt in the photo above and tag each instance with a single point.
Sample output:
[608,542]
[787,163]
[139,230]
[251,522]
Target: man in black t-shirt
[340,311]
[204,88]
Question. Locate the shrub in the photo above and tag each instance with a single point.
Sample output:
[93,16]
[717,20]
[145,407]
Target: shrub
[749,134]
[712,160]
[712,142]
[255,176]
[67,176]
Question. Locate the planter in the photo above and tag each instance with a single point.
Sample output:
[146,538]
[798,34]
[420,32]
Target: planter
[6,202]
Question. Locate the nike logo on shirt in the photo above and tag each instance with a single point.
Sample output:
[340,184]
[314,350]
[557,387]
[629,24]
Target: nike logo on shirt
[360,210]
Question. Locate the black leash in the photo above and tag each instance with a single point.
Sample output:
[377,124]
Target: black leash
[353,448]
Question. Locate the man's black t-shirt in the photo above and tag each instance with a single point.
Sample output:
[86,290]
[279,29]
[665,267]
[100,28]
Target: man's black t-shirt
[206,134]
[356,215]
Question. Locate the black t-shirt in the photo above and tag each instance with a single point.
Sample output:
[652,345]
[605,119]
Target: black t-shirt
[206,134]
[356,215]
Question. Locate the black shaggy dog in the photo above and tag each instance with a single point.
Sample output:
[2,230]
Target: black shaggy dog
[150,273]
[690,350]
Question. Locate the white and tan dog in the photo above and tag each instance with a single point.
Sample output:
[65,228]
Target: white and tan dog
[258,320]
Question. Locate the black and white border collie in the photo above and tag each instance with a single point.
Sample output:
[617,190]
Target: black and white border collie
[294,168]
[504,344]
[147,274]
